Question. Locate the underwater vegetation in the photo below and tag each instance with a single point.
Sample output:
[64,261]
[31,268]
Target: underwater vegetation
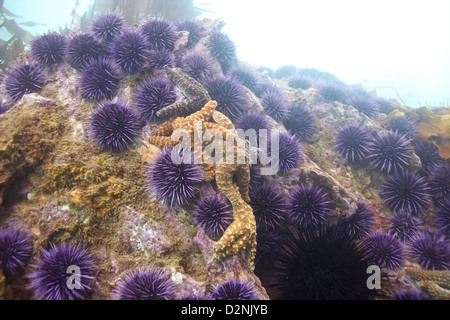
[90,125]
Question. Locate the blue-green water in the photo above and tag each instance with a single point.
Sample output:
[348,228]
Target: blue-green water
[404,45]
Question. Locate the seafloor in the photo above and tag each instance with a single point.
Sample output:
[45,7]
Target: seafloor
[60,186]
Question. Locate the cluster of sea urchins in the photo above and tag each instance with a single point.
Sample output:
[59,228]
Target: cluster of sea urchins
[320,258]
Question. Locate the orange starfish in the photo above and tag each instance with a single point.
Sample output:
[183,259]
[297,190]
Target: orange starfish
[163,136]
[241,234]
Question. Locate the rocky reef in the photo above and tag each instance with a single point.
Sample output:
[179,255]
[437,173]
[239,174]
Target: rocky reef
[83,176]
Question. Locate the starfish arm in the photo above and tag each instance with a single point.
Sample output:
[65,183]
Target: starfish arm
[204,114]
[215,126]
[440,277]
[251,252]
[162,142]
[435,291]
[224,181]
[165,129]
[234,240]
[223,120]
[243,181]
[188,85]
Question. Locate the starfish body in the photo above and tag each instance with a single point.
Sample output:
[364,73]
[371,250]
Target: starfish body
[164,135]
[240,235]
[232,177]
[435,282]
[196,95]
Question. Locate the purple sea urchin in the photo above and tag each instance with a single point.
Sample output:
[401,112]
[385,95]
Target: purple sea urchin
[245,77]
[194,29]
[384,106]
[194,296]
[300,82]
[266,87]
[23,78]
[160,33]
[333,92]
[266,248]
[403,125]
[428,154]
[443,217]
[113,126]
[3,107]
[300,122]
[99,80]
[81,49]
[406,191]
[213,215]
[197,65]
[321,264]
[308,206]
[145,284]
[161,57]
[15,251]
[230,96]
[361,222]
[269,207]
[253,120]
[107,26]
[275,105]
[408,295]
[440,184]
[289,154]
[49,48]
[53,273]
[129,50]
[386,250]
[223,49]
[389,151]
[172,183]
[233,289]
[364,104]
[404,225]
[351,142]
[286,71]
[152,96]
[431,251]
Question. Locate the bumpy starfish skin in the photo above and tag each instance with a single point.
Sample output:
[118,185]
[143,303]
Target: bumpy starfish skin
[435,282]
[241,234]
[434,290]
[196,95]
[162,137]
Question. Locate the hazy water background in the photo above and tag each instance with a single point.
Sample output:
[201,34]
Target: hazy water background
[395,43]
